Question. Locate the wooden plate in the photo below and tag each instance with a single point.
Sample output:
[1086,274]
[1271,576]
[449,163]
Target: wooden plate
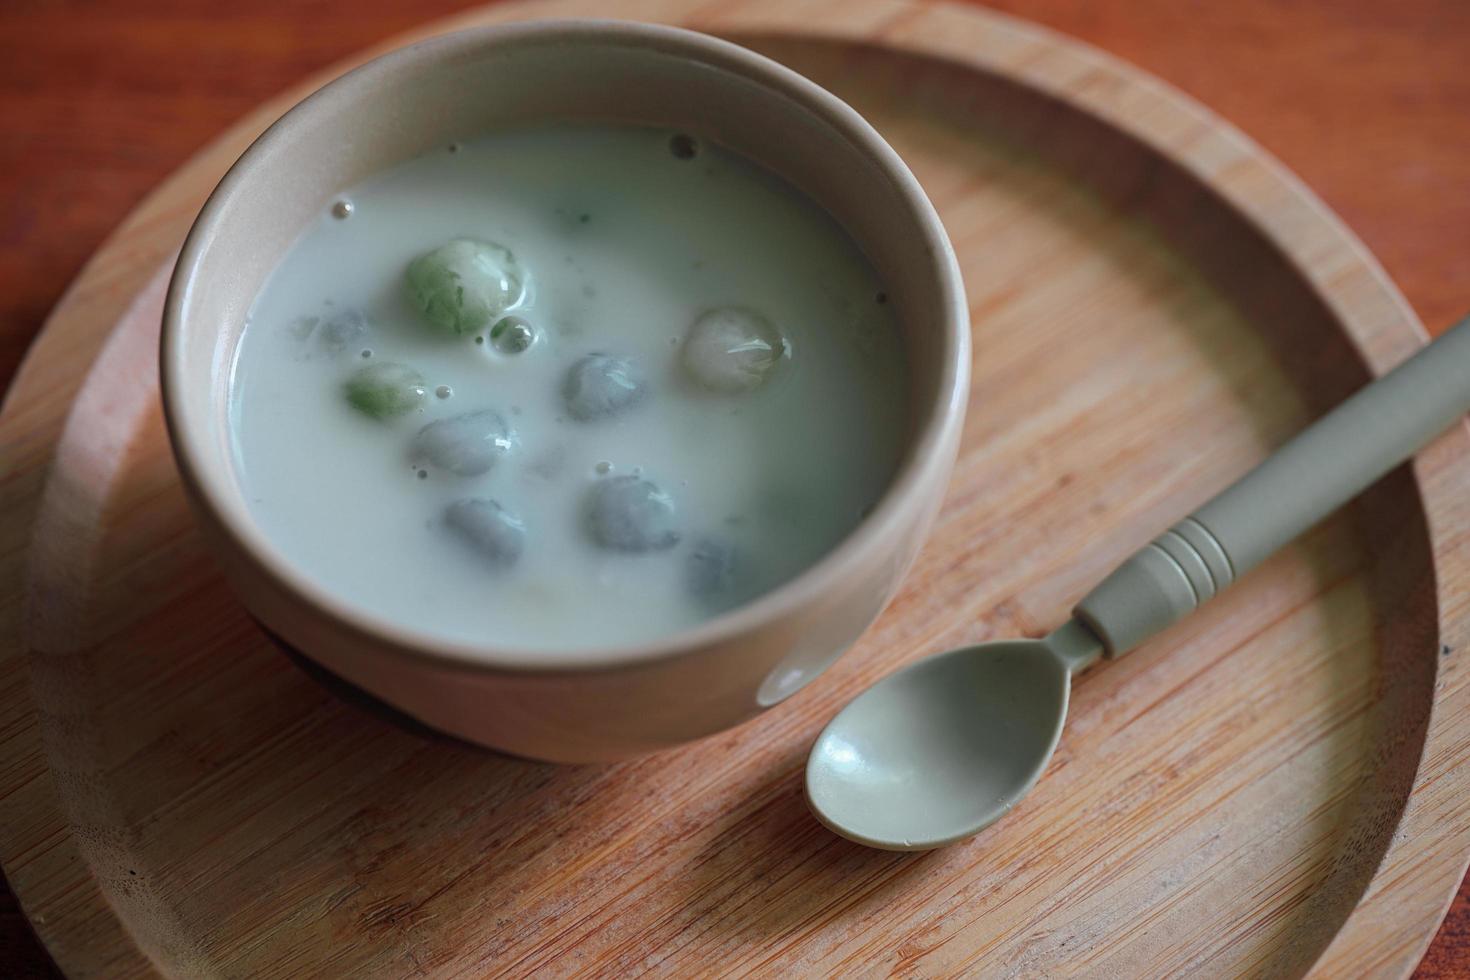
[1271,785]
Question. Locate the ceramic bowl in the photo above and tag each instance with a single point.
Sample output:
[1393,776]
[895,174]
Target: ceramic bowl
[619,701]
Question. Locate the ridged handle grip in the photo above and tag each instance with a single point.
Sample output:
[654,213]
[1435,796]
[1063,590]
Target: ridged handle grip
[1311,476]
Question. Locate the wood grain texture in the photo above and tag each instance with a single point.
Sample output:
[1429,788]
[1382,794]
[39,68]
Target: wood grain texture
[1137,309]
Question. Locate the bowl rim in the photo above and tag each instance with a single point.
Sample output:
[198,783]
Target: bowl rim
[926,462]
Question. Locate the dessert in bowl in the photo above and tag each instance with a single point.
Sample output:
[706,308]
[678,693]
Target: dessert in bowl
[579,388]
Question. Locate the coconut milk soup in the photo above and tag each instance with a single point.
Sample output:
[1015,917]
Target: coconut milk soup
[566,387]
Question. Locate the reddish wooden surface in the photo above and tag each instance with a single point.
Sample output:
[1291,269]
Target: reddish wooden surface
[1367,101]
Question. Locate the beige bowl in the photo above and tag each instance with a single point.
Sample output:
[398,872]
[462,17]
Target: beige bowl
[616,702]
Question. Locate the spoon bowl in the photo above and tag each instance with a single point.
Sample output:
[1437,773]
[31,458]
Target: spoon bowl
[942,749]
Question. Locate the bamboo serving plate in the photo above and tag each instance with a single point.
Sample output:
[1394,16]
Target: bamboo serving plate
[1276,785]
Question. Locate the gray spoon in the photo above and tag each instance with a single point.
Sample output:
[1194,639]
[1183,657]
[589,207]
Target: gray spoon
[943,748]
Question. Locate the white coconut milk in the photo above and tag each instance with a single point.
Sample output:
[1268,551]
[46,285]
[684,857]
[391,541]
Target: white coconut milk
[624,241]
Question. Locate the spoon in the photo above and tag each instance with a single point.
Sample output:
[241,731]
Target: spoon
[945,747]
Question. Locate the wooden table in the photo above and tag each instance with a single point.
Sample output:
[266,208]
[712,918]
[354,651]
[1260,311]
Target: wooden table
[1366,101]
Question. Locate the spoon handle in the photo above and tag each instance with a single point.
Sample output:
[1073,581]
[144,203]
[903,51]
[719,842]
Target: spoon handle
[1318,471]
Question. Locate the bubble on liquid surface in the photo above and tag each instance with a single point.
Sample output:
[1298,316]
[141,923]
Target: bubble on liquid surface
[342,209]
[495,533]
[601,386]
[512,335]
[467,445]
[633,515]
[443,391]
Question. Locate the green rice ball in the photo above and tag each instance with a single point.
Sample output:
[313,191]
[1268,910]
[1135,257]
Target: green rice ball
[463,286]
[386,390]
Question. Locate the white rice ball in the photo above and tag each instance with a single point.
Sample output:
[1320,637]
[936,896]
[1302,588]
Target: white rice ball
[732,350]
